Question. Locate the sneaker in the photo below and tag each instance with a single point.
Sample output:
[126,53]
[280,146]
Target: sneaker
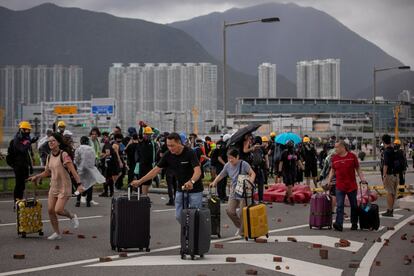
[75,221]
[337,227]
[88,204]
[83,199]
[54,236]
[93,202]
[389,213]
[354,227]
[77,204]
[237,233]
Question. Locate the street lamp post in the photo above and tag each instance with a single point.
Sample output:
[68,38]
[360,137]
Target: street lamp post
[374,106]
[225,26]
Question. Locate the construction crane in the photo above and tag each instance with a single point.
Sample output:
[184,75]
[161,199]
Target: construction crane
[397,110]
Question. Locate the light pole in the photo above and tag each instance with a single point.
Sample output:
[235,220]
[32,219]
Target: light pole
[225,26]
[374,106]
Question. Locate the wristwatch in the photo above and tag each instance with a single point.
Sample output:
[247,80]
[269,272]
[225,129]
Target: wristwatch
[192,181]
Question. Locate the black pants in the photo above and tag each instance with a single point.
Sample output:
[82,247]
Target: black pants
[120,181]
[131,175]
[21,173]
[172,185]
[87,193]
[109,184]
[259,181]
[222,185]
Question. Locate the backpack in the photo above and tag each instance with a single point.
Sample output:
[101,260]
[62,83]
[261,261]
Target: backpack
[257,158]
[400,164]
[11,154]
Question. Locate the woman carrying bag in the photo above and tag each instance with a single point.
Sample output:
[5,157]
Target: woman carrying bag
[240,174]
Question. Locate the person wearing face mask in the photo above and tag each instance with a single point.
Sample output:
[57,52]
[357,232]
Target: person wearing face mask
[288,169]
[21,158]
[146,154]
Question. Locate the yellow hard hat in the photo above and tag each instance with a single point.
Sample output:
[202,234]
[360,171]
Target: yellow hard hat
[306,139]
[61,124]
[272,134]
[148,130]
[397,142]
[265,139]
[25,125]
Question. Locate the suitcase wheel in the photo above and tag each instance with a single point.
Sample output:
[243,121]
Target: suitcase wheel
[147,250]
[23,234]
[41,233]
[192,257]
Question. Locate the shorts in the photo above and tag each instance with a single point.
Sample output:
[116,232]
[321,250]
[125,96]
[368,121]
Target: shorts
[289,178]
[391,183]
[311,170]
[143,170]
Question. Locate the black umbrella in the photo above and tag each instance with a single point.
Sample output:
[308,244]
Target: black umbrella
[238,136]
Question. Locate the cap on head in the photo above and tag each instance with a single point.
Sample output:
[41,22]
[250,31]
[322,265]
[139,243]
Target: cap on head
[61,124]
[272,134]
[306,139]
[25,125]
[148,130]
[265,139]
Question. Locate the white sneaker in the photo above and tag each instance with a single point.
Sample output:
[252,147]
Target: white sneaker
[54,236]
[83,199]
[94,202]
[237,233]
[75,221]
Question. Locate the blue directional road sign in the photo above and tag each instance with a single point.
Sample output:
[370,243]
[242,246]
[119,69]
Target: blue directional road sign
[102,109]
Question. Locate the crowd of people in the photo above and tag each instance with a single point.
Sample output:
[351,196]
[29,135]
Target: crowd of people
[145,156]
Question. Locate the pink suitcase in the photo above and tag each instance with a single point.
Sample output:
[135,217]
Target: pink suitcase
[320,211]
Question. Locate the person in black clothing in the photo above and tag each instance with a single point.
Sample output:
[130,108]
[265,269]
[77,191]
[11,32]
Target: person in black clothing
[22,158]
[390,175]
[309,157]
[110,167]
[146,151]
[257,163]
[132,158]
[119,149]
[222,160]
[183,163]
[402,162]
[288,169]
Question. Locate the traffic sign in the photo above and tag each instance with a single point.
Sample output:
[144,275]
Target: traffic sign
[65,109]
[102,109]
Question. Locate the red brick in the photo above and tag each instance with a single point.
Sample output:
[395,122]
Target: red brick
[323,253]
[379,240]
[105,259]
[292,239]
[93,237]
[19,256]
[279,220]
[287,267]
[218,245]
[231,259]
[377,263]
[353,265]
[317,245]
[346,243]
[57,247]
[277,259]
[260,240]
[390,228]
[251,272]
[278,267]
[123,254]
[67,232]
[81,236]
[411,223]
[404,237]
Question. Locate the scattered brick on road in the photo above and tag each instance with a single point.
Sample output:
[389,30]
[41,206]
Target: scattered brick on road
[279,220]
[80,236]
[353,265]
[231,259]
[277,259]
[317,245]
[19,256]
[105,259]
[390,228]
[57,247]
[278,267]
[287,267]
[378,263]
[67,232]
[407,260]
[292,239]
[404,237]
[411,223]
[93,237]
[260,240]
[379,239]
[219,245]
[323,253]
[123,254]
[251,272]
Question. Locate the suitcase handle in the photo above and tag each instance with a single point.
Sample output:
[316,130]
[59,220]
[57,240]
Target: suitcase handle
[186,206]
[130,191]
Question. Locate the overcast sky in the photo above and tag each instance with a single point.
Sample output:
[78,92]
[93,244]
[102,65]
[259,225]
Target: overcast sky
[387,23]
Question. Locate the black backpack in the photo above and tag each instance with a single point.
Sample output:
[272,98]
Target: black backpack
[257,158]
[400,164]
[11,154]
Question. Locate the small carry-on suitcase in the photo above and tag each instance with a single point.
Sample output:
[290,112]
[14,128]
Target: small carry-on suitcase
[130,222]
[320,211]
[195,230]
[213,203]
[368,214]
[254,219]
[29,216]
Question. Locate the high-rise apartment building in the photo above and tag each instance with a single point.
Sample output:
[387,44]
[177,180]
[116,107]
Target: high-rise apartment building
[26,84]
[318,79]
[166,87]
[267,80]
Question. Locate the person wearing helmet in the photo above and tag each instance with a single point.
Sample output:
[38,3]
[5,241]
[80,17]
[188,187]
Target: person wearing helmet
[61,127]
[20,157]
[401,161]
[288,165]
[146,157]
[309,156]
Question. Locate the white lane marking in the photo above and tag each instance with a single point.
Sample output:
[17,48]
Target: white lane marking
[163,210]
[296,267]
[348,225]
[45,221]
[396,216]
[93,260]
[367,261]
[324,240]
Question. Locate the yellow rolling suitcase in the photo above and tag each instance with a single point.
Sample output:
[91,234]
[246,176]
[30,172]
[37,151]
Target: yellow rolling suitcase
[29,216]
[254,219]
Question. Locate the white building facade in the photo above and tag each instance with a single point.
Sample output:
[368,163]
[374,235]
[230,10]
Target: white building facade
[267,80]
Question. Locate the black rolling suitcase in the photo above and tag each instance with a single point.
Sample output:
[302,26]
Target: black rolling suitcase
[130,222]
[368,214]
[213,204]
[195,230]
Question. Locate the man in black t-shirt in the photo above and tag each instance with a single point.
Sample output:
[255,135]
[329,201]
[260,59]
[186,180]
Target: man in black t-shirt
[182,162]
[389,174]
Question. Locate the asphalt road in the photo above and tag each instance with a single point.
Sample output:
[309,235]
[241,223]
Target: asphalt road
[77,256]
